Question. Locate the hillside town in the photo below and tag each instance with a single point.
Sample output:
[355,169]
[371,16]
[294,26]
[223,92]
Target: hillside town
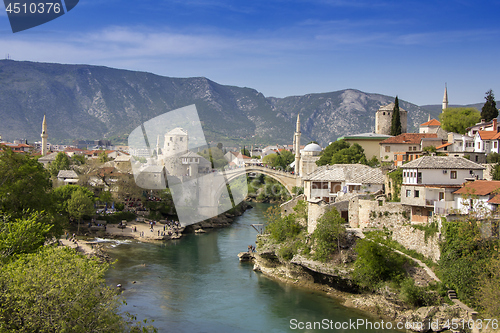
[437,167]
[403,185]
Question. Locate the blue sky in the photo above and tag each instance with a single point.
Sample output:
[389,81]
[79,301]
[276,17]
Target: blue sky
[284,48]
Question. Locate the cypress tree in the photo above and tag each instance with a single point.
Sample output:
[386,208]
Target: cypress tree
[396,119]
[489,110]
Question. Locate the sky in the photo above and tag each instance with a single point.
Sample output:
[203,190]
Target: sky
[284,48]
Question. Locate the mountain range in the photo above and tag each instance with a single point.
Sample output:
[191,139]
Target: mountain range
[95,102]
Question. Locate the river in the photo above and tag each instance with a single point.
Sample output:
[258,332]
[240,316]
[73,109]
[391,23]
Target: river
[197,284]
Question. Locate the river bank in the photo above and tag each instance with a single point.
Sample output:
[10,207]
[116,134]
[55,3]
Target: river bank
[335,281]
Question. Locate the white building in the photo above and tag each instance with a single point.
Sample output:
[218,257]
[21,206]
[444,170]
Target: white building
[329,182]
[429,183]
[479,197]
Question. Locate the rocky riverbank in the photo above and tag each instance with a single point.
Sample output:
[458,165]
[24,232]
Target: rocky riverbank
[335,281]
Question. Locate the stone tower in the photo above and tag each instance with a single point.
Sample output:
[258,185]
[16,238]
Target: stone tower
[445,98]
[296,146]
[44,136]
[383,119]
[176,142]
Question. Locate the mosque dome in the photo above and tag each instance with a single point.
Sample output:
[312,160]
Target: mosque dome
[313,147]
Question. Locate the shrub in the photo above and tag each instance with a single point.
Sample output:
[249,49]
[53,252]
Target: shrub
[376,264]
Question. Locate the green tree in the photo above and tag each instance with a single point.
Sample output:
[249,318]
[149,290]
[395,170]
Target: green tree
[457,120]
[464,256]
[61,162]
[493,158]
[245,152]
[269,159]
[24,184]
[495,172]
[106,197]
[326,155]
[103,157]
[215,156]
[77,159]
[57,290]
[284,159]
[376,264]
[328,235]
[488,291]
[62,195]
[80,205]
[353,154]
[489,110]
[22,235]
[396,119]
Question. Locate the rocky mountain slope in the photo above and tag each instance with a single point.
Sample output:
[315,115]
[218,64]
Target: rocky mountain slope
[92,102]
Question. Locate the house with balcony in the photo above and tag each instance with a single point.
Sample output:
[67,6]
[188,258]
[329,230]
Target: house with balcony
[329,182]
[430,181]
[461,145]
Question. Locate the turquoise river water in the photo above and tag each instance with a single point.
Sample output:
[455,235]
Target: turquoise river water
[197,284]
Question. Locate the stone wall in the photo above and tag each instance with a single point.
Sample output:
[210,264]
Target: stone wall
[414,239]
[394,217]
[287,207]
[316,208]
[378,214]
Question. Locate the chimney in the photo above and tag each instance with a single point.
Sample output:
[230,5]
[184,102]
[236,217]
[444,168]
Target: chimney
[450,137]
[494,121]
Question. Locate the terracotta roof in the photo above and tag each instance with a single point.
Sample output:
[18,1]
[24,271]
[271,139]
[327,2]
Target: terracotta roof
[495,200]
[432,122]
[411,138]
[445,145]
[69,149]
[442,162]
[487,135]
[480,187]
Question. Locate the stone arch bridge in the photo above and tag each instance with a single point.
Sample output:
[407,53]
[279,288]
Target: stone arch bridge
[286,179]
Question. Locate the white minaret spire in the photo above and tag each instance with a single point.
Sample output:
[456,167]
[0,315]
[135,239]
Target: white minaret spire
[44,136]
[296,141]
[445,97]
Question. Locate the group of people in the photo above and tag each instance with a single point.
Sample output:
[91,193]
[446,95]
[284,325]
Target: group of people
[251,248]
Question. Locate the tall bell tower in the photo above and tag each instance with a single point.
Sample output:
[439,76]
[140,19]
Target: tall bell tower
[296,143]
[44,136]
[445,97]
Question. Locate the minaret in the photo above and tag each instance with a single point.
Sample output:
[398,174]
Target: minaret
[44,136]
[445,98]
[296,140]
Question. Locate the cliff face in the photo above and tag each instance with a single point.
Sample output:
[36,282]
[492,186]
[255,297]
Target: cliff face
[92,102]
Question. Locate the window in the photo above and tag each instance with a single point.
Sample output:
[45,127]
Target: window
[453,175]
[387,149]
[180,139]
[441,196]
[408,193]
[479,145]
[410,148]
[417,194]
[495,144]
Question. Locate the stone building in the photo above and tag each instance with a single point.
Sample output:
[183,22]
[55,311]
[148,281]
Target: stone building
[383,119]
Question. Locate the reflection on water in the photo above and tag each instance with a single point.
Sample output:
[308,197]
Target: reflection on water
[197,284]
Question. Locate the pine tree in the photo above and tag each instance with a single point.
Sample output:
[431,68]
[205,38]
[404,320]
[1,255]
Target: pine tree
[489,110]
[396,120]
